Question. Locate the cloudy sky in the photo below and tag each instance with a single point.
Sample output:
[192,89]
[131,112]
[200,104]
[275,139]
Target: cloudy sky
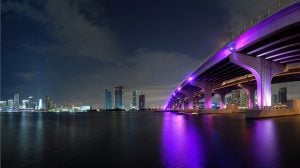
[72,50]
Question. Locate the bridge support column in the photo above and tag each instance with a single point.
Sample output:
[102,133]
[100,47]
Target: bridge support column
[250,90]
[263,70]
[190,103]
[207,87]
[222,94]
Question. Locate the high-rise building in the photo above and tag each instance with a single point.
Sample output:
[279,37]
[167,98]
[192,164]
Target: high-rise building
[236,97]
[10,103]
[16,101]
[275,99]
[3,105]
[282,95]
[41,104]
[119,104]
[47,103]
[25,104]
[108,99]
[30,102]
[134,99]
[142,102]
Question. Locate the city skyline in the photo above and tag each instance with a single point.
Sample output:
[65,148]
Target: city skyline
[86,46]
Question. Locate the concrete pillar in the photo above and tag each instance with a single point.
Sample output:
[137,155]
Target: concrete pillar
[263,70]
[250,90]
[222,93]
[189,96]
[207,88]
[190,103]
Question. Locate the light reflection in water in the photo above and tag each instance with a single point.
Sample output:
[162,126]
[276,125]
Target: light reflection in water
[181,144]
[265,142]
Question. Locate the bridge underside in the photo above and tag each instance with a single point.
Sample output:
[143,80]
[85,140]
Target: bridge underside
[247,68]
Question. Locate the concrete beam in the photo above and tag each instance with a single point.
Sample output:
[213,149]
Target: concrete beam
[263,71]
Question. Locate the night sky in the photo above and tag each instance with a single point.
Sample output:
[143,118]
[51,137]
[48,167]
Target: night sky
[73,50]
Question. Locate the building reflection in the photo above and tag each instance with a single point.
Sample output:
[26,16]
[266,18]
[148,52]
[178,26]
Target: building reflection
[181,143]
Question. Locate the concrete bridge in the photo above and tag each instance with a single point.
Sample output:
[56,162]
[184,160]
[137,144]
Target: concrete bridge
[260,56]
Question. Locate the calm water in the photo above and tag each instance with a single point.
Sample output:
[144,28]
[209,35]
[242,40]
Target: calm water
[147,139]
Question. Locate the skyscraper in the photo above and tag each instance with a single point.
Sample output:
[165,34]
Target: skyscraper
[108,99]
[47,103]
[16,101]
[134,99]
[282,95]
[25,104]
[30,102]
[275,99]
[10,103]
[119,104]
[3,105]
[41,104]
[141,102]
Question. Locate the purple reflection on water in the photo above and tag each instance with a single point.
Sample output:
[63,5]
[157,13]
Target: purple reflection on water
[265,142]
[181,144]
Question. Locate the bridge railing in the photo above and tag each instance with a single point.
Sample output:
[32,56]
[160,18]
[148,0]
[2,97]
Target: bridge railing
[281,4]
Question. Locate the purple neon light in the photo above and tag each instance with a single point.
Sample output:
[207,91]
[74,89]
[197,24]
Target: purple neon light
[190,78]
[259,30]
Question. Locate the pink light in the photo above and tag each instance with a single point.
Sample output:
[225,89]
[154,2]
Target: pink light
[190,78]
[179,88]
[173,94]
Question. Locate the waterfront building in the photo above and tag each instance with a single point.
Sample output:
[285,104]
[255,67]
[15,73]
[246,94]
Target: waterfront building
[3,105]
[30,102]
[119,103]
[236,97]
[142,102]
[17,101]
[275,99]
[108,99]
[25,104]
[41,104]
[47,103]
[282,96]
[10,103]
[134,100]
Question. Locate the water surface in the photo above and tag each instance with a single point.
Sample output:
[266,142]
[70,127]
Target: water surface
[147,139]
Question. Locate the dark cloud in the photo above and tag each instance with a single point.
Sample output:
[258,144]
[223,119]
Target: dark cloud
[73,50]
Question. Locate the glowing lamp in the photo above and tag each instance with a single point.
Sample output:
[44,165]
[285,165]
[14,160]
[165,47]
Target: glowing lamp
[190,78]
[232,48]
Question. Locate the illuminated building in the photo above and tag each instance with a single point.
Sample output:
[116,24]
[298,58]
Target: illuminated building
[85,108]
[25,104]
[47,103]
[119,103]
[30,102]
[10,103]
[16,101]
[3,104]
[108,99]
[41,104]
[282,97]
[134,99]
[142,102]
